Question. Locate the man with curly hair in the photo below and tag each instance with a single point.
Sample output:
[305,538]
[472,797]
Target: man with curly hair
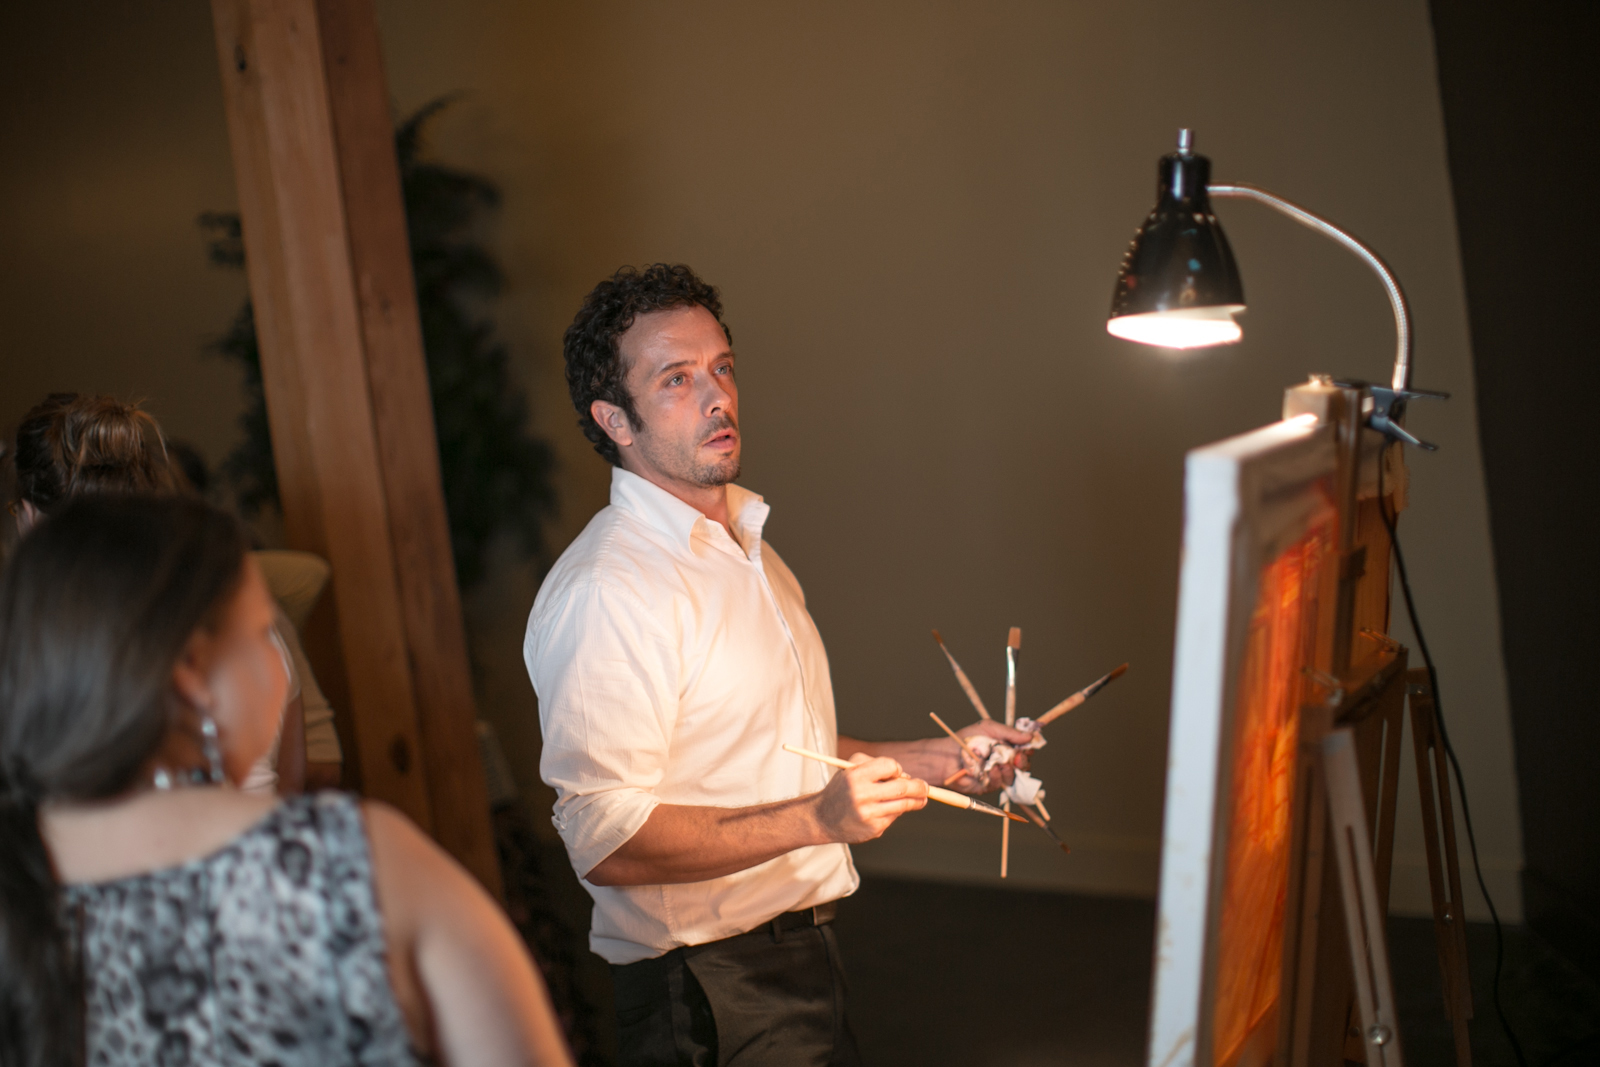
[673,656]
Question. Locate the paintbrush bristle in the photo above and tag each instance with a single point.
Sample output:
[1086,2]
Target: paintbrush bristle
[1014,638]
[1118,673]
[979,805]
[937,638]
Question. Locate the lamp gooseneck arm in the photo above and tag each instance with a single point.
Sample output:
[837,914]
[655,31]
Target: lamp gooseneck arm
[1391,284]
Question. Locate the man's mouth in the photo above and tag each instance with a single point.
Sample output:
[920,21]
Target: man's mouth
[723,440]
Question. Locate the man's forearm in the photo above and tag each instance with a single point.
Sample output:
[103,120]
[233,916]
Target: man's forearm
[925,758]
[683,843]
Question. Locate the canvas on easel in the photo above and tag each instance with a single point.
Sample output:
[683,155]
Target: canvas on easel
[1260,512]
[1288,698]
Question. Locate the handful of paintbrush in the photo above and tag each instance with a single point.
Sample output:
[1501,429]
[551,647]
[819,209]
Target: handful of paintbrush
[982,755]
[1025,790]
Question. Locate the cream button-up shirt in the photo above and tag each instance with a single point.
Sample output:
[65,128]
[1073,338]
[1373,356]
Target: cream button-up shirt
[672,662]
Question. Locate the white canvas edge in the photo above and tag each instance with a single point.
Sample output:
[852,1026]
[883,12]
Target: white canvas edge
[1253,475]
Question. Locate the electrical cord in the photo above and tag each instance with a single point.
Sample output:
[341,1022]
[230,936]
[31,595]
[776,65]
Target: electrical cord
[1449,749]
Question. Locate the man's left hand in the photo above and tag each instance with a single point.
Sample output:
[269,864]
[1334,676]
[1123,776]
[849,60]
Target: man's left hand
[998,777]
[936,759]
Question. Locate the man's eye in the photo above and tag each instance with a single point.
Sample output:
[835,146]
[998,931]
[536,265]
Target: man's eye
[676,379]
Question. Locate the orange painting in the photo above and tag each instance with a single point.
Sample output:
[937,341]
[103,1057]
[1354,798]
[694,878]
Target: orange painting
[1272,688]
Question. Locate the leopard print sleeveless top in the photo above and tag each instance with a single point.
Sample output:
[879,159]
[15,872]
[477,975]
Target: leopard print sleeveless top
[268,951]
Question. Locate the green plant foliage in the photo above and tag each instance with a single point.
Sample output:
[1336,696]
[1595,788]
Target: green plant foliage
[497,475]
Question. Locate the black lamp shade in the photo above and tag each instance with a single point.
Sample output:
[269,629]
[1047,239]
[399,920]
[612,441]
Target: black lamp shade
[1179,265]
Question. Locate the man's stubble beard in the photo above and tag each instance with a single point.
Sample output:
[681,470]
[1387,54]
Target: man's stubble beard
[683,466]
[709,476]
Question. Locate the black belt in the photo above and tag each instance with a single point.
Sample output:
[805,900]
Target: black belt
[775,928]
[821,915]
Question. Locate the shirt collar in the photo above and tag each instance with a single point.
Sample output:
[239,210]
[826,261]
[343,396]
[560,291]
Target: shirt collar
[747,514]
[747,511]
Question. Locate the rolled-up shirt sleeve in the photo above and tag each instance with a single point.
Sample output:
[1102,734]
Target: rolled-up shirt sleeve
[608,690]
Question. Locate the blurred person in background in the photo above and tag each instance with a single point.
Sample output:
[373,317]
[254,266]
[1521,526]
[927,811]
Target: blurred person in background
[72,444]
[150,912]
[308,755]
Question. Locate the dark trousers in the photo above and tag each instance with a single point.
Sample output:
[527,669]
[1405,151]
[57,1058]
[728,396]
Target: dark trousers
[768,998]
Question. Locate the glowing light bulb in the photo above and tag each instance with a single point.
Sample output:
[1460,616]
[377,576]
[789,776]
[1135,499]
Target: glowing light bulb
[1184,328]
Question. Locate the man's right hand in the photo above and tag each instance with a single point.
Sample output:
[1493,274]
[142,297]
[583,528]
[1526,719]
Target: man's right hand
[860,803]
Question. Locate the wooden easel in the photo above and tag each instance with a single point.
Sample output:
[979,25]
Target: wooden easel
[1328,1018]
[1444,865]
[1364,915]
[1364,864]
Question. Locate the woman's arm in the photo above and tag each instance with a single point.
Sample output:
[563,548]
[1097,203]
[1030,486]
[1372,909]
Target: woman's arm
[463,978]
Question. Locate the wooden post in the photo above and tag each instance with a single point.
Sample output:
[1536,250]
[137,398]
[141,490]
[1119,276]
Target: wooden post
[347,394]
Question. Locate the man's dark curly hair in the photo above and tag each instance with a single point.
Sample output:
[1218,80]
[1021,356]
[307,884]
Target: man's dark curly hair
[595,369]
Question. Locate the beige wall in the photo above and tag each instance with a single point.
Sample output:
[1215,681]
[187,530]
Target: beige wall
[915,211]
[113,142]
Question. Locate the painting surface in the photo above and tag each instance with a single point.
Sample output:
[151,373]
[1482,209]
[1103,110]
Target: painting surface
[1279,645]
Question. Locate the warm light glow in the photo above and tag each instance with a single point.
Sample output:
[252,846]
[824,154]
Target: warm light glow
[1186,328]
[1266,729]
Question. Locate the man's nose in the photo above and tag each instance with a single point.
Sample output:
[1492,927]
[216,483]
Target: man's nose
[719,395]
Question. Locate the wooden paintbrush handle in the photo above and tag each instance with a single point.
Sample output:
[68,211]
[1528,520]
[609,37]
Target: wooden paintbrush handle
[1080,696]
[943,796]
[1060,709]
[832,761]
[957,738]
[949,796]
[961,677]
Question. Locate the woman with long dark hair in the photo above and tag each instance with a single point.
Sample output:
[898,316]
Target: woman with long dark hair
[149,911]
[76,444]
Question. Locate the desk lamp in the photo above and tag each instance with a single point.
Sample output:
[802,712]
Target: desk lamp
[1179,287]
[1250,632]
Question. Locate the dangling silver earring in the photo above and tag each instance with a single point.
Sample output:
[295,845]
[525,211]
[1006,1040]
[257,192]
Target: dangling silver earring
[161,779]
[211,750]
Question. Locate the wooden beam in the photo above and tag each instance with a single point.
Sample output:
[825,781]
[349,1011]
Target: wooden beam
[347,394]
[402,406]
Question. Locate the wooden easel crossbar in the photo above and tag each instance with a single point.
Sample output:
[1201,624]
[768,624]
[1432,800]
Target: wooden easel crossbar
[1358,752]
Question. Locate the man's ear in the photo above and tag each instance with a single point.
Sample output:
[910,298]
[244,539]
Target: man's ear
[613,420]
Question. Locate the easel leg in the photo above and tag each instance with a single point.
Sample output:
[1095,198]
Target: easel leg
[1364,915]
[1444,867]
[1378,743]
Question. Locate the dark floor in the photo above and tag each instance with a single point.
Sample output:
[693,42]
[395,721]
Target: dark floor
[931,964]
[1082,994]
[1552,1006]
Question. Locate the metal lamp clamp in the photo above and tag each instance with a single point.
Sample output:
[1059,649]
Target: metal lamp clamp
[1389,407]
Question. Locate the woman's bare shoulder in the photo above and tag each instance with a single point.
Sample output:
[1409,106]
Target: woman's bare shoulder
[396,839]
[96,842]
[414,875]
